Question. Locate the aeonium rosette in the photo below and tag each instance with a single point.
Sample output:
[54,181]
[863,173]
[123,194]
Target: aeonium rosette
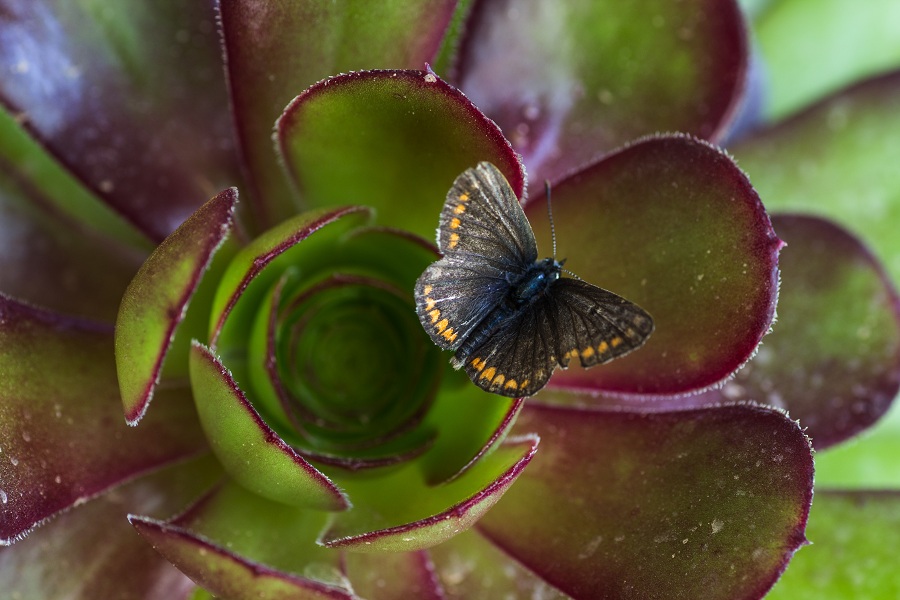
[323,398]
[348,459]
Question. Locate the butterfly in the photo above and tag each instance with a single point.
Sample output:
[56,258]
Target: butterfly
[511,318]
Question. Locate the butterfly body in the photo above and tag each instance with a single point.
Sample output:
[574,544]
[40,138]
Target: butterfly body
[510,318]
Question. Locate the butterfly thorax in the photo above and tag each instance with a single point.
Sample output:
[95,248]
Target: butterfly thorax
[535,281]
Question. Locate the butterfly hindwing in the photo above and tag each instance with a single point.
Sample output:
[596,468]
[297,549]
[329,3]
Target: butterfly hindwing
[574,319]
[594,325]
[485,239]
[518,358]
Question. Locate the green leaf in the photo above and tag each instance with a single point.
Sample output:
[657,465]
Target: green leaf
[92,552]
[393,576]
[227,574]
[812,48]
[49,257]
[707,503]
[471,423]
[671,224]
[392,140]
[569,81]
[276,50]
[157,299]
[127,96]
[249,450]
[835,161]
[261,263]
[428,514]
[60,191]
[833,358]
[855,536]
[867,461]
[62,434]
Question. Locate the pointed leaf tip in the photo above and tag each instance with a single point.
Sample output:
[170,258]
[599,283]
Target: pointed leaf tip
[157,299]
[251,452]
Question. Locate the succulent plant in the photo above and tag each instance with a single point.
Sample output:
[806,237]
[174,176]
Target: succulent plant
[245,296]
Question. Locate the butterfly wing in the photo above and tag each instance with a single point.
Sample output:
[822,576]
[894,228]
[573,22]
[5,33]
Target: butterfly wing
[574,319]
[485,239]
[593,324]
[483,221]
[518,358]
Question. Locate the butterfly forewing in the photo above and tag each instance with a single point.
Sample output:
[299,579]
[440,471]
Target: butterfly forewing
[483,222]
[452,298]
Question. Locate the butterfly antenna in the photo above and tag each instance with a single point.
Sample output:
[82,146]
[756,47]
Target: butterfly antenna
[550,215]
[573,275]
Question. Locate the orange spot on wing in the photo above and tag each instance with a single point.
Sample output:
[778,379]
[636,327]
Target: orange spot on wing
[427,289]
[463,197]
[603,348]
[511,384]
[478,363]
[454,240]
[449,335]
[587,352]
[435,315]
[454,224]
[442,325]
[460,209]
[429,303]
[616,341]
[488,373]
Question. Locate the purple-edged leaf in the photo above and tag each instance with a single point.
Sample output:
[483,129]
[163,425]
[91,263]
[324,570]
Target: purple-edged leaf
[671,224]
[393,576]
[835,160]
[472,424]
[225,574]
[567,81]
[833,358]
[38,172]
[469,566]
[702,504]
[249,450]
[92,552]
[49,259]
[62,435]
[428,515]
[393,140]
[250,264]
[239,545]
[855,538]
[128,96]
[276,50]
[157,299]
